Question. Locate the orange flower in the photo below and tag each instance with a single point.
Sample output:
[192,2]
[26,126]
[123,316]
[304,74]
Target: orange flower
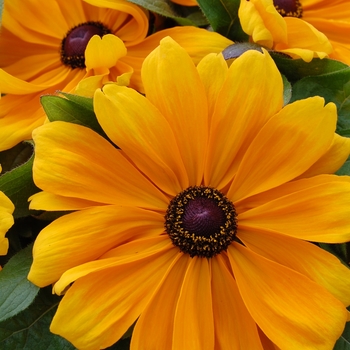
[65,46]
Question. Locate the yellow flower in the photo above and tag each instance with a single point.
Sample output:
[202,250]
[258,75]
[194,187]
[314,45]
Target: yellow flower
[45,46]
[197,227]
[6,221]
[291,33]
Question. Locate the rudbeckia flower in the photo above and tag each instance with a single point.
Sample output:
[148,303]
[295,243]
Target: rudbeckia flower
[53,45]
[197,229]
[6,221]
[298,28]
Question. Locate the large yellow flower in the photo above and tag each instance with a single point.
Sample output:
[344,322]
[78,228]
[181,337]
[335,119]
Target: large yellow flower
[45,46]
[6,221]
[197,228]
[305,29]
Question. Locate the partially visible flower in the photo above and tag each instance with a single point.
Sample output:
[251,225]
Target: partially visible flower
[197,228]
[289,33]
[186,2]
[333,19]
[53,45]
[6,220]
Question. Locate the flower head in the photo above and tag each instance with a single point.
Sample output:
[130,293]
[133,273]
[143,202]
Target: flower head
[89,43]
[302,29]
[197,227]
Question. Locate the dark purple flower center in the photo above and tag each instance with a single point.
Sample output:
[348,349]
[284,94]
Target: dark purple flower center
[201,221]
[74,43]
[289,8]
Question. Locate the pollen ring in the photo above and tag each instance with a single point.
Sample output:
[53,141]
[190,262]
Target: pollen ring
[201,221]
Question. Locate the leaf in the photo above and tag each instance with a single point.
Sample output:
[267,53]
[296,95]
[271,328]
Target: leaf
[343,343]
[345,169]
[334,87]
[17,293]
[72,109]
[296,69]
[18,185]
[183,15]
[30,329]
[223,17]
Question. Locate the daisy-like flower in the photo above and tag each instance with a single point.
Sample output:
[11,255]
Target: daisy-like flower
[53,45]
[6,220]
[302,29]
[197,228]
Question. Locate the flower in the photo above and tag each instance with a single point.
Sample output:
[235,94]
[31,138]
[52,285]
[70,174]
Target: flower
[333,19]
[6,221]
[197,228]
[58,54]
[287,26]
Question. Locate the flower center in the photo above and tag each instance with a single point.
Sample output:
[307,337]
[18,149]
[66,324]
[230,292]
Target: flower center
[289,8]
[74,43]
[201,221]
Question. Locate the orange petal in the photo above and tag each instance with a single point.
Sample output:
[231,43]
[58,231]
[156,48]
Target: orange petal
[240,112]
[161,310]
[293,311]
[116,297]
[69,158]
[234,327]
[285,147]
[138,128]
[181,99]
[304,257]
[194,323]
[91,233]
[302,211]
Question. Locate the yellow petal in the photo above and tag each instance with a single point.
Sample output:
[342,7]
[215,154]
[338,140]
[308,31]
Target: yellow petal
[103,52]
[92,232]
[69,158]
[212,65]
[333,159]
[100,307]
[54,202]
[181,99]
[193,322]
[160,310]
[240,112]
[293,311]
[303,211]
[304,257]
[286,146]
[138,128]
[234,327]
[6,221]
[262,22]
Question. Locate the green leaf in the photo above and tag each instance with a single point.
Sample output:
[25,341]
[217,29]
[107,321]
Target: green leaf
[30,329]
[287,90]
[334,87]
[343,343]
[71,109]
[223,17]
[345,169]
[17,293]
[183,15]
[18,185]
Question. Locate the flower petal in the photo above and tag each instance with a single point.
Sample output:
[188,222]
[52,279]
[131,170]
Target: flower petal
[194,323]
[303,212]
[234,327]
[182,100]
[240,112]
[116,297]
[286,146]
[293,311]
[105,227]
[69,158]
[6,221]
[304,257]
[154,328]
[212,65]
[138,128]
